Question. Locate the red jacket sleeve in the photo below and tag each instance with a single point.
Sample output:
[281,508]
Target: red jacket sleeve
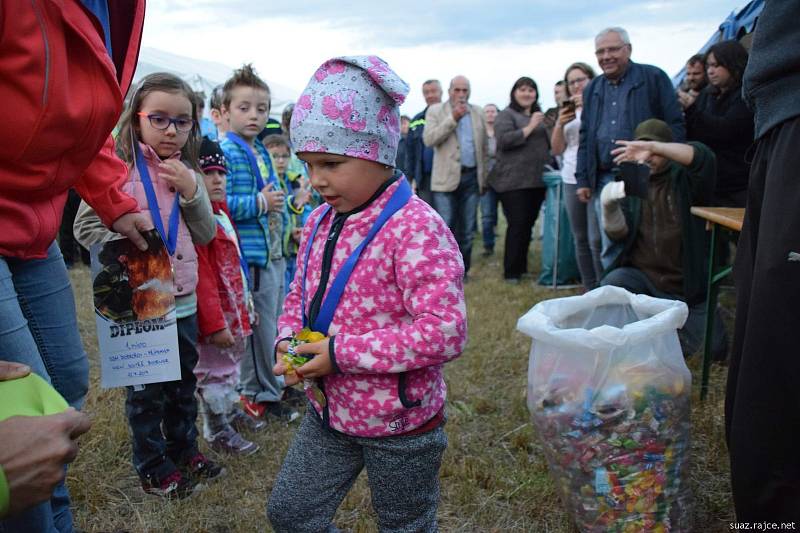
[101,184]
[209,307]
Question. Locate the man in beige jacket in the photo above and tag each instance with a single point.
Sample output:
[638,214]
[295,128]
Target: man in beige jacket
[456,130]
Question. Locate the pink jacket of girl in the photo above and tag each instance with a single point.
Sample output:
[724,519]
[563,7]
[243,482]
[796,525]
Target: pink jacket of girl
[402,315]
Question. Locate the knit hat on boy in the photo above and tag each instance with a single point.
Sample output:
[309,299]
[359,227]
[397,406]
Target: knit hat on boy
[351,107]
[211,156]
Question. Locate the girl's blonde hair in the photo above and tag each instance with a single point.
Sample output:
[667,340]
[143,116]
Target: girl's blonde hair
[129,123]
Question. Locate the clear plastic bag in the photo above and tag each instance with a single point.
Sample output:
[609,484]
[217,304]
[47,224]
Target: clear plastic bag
[609,394]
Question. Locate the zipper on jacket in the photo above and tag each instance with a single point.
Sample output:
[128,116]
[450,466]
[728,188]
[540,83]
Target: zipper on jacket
[40,18]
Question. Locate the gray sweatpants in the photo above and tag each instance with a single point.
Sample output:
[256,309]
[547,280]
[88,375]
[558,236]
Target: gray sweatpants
[322,465]
[257,380]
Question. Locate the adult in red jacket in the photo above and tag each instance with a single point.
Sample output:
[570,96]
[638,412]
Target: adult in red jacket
[65,67]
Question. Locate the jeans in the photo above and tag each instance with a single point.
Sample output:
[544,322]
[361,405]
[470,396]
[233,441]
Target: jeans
[488,218]
[459,209]
[257,381]
[288,277]
[604,249]
[579,212]
[521,208]
[693,332]
[162,416]
[39,327]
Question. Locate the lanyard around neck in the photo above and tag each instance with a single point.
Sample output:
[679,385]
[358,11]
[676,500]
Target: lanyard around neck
[251,158]
[170,239]
[399,198]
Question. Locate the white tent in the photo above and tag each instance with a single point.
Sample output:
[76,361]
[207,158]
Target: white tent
[204,75]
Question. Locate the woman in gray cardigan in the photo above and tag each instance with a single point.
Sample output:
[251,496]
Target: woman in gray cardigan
[522,152]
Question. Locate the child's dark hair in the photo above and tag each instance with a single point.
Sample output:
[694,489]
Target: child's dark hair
[276,140]
[243,77]
[129,128]
[215,102]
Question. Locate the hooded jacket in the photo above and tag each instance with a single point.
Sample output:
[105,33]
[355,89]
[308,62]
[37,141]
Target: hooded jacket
[400,318]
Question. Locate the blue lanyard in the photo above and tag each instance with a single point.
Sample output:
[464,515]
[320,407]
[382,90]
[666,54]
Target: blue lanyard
[242,262]
[251,158]
[399,198]
[171,239]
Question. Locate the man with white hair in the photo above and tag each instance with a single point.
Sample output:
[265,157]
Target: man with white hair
[626,94]
[456,130]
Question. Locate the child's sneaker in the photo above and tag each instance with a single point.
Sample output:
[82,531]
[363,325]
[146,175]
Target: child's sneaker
[280,411]
[294,397]
[252,408]
[174,486]
[241,421]
[229,441]
[201,468]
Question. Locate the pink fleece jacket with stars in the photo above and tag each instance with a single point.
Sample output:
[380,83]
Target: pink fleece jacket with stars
[402,316]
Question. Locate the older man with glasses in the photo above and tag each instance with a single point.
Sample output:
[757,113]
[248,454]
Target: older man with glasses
[626,94]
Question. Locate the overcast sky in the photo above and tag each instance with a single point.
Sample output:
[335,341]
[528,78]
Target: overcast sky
[491,42]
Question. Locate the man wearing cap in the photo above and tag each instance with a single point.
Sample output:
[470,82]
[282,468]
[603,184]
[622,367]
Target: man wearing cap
[663,245]
[456,130]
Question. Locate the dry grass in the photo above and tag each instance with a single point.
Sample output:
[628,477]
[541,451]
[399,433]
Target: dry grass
[494,477]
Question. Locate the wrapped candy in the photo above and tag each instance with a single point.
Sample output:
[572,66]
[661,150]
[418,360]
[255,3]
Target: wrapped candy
[291,358]
[609,395]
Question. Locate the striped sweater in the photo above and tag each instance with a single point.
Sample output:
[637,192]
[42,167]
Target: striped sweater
[242,195]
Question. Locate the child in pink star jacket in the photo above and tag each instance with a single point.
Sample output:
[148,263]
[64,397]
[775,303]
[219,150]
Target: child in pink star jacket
[380,275]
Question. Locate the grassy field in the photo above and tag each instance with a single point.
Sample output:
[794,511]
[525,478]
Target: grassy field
[494,477]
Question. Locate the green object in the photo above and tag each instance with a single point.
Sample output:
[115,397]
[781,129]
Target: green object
[28,396]
[566,269]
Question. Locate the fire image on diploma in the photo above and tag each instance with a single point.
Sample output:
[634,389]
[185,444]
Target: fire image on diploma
[133,285]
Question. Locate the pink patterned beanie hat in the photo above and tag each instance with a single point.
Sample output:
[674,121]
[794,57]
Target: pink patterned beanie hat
[351,107]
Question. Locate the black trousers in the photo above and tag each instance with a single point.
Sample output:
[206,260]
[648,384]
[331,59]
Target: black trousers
[762,405]
[66,240]
[521,207]
[162,416]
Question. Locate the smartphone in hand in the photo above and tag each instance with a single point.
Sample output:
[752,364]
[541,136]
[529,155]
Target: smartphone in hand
[636,177]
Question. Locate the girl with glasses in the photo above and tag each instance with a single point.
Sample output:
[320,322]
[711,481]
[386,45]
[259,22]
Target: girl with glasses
[159,139]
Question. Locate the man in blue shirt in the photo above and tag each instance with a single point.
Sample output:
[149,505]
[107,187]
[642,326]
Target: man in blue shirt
[626,94]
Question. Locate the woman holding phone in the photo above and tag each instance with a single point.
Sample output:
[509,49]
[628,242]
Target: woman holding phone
[564,142]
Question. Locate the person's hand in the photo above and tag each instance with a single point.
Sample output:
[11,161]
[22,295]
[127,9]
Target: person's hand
[9,370]
[584,194]
[612,192]
[297,234]
[223,338]
[577,99]
[256,319]
[565,115]
[131,225]
[275,198]
[34,452]
[686,99]
[536,119]
[638,151]
[301,197]
[317,367]
[179,176]
[459,110]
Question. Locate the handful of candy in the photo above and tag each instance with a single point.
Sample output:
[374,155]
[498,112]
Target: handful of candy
[291,358]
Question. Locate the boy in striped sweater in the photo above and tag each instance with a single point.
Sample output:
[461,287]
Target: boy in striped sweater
[257,206]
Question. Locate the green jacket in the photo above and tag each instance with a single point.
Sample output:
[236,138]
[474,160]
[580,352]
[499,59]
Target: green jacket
[693,185]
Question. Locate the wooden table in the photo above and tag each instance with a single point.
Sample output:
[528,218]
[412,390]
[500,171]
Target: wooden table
[728,219]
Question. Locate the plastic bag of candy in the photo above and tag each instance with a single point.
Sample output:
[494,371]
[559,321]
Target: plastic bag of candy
[609,393]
